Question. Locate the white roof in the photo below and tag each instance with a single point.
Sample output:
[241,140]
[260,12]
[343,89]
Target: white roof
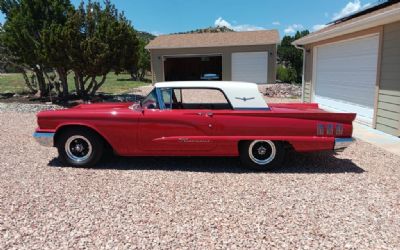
[242,95]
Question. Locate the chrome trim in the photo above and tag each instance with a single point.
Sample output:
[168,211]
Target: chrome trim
[342,143]
[263,109]
[44,138]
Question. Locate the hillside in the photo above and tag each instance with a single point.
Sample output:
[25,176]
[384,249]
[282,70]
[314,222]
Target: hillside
[208,30]
[146,36]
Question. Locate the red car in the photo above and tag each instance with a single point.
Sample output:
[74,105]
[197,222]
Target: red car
[194,119]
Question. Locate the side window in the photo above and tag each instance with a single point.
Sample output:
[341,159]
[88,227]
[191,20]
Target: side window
[167,97]
[150,102]
[192,98]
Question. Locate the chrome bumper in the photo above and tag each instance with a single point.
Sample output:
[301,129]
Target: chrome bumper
[44,138]
[342,143]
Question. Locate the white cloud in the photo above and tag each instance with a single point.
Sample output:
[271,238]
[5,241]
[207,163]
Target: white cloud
[276,23]
[350,8]
[293,28]
[318,27]
[220,22]
[156,33]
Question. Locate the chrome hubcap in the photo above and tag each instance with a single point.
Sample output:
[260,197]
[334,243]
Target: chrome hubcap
[78,148]
[262,152]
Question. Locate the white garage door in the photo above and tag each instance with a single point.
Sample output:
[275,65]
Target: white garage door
[345,77]
[250,67]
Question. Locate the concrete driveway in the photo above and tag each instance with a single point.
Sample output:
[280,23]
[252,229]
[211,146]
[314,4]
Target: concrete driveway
[377,138]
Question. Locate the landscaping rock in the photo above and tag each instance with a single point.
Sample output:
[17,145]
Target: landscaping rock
[283,90]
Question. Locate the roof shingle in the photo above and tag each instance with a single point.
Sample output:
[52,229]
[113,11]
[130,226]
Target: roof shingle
[225,39]
[349,21]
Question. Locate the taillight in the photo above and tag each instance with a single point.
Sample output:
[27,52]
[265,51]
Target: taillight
[320,129]
[329,129]
[339,129]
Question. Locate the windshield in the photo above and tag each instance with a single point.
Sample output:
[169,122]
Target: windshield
[150,102]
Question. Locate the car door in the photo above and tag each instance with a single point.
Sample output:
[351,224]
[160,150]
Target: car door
[177,131]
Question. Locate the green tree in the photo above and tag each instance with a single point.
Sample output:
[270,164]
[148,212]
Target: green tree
[99,39]
[138,71]
[289,56]
[27,23]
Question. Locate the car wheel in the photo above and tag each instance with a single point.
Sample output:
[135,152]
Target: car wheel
[80,147]
[262,154]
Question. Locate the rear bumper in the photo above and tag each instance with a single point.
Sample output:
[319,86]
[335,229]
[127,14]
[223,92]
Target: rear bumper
[342,143]
[44,138]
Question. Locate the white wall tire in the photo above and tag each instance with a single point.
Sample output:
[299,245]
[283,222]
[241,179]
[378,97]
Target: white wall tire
[80,147]
[262,154]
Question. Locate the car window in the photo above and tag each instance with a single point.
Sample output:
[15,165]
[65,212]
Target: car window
[200,98]
[150,102]
[166,95]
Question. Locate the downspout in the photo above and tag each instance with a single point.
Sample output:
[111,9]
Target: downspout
[304,66]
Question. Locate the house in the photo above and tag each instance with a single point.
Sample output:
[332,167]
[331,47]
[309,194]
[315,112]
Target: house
[229,56]
[353,65]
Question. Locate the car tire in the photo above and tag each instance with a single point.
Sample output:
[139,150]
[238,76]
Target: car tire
[80,147]
[262,155]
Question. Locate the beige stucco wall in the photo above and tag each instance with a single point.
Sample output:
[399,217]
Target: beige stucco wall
[226,52]
[388,103]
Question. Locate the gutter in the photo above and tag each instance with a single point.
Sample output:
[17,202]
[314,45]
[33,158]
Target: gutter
[304,66]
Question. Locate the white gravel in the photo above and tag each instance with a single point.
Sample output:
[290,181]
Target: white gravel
[319,200]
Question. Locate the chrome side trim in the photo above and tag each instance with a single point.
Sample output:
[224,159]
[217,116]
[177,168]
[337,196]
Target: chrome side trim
[342,143]
[44,139]
[264,109]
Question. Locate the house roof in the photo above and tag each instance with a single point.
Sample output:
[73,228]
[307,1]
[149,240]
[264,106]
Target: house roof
[225,39]
[388,13]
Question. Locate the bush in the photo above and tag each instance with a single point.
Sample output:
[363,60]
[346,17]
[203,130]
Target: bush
[286,75]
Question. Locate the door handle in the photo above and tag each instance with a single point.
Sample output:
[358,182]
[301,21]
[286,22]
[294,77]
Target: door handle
[210,114]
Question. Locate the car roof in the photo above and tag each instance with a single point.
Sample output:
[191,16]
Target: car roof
[242,95]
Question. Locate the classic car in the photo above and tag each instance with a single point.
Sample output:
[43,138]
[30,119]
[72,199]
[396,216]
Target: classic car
[202,118]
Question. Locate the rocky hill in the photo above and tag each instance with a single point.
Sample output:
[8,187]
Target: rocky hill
[208,30]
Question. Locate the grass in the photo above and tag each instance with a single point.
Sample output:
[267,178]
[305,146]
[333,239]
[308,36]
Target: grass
[114,84]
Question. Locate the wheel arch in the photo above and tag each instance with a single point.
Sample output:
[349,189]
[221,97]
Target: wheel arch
[62,128]
[287,145]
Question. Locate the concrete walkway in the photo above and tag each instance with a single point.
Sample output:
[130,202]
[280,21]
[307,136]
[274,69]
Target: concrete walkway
[382,140]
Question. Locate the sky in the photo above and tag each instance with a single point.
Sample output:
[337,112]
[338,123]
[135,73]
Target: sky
[170,16]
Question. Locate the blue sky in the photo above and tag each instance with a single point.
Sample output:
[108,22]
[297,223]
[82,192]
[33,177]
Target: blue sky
[170,16]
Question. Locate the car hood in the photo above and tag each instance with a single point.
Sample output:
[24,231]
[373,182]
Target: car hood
[102,106]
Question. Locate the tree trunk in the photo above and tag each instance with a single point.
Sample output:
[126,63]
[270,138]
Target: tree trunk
[62,74]
[98,85]
[41,81]
[28,82]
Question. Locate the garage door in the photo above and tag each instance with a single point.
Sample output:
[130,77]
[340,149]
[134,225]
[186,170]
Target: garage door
[345,77]
[250,67]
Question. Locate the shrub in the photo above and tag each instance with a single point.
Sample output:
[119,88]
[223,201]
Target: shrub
[286,74]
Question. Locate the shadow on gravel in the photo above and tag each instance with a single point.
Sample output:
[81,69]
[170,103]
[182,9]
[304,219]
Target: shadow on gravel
[323,162]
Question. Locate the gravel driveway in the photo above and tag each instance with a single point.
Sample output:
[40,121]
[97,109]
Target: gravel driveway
[319,200]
